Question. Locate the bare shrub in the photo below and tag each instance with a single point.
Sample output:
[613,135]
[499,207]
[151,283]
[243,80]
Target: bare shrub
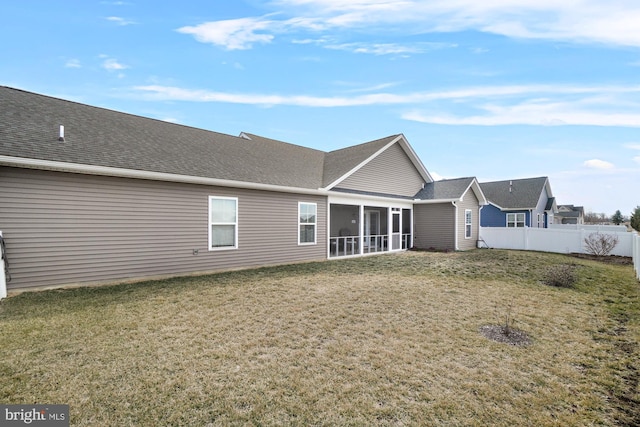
[561,276]
[505,331]
[600,244]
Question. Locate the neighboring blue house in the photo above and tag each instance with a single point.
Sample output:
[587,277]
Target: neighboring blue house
[518,203]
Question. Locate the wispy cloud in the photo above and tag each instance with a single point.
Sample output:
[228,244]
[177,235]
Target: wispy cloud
[73,63]
[598,164]
[635,147]
[358,88]
[111,64]
[389,48]
[578,21]
[119,20]
[538,113]
[232,34]
[484,106]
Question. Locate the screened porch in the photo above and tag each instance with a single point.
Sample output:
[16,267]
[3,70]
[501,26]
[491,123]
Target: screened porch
[364,229]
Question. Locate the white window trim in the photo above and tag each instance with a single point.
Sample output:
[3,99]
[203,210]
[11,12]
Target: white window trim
[235,224]
[315,225]
[515,219]
[470,223]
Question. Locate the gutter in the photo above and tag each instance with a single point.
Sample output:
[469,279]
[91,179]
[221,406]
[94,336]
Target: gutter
[433,201]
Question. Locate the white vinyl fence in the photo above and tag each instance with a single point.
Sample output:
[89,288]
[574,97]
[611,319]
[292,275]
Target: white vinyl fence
[636,253]
[552,240]
[593,228]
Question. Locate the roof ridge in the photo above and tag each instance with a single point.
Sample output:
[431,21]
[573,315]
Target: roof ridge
[281,142]
[515,179]
[367,142]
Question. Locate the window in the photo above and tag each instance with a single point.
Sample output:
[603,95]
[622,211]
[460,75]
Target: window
[223,223]
[467,223]
[307,222]
[515,220]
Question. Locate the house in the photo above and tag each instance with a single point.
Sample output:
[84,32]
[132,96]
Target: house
[569,214]
[445,205]
[518,203]
[90,195]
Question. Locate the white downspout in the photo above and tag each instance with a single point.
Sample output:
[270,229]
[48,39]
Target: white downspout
[3,279]
[455,226]
[479,226]
[328,227]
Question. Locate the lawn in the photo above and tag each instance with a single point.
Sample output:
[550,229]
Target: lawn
[382,340]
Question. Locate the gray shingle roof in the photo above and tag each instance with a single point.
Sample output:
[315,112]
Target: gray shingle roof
[515,193]
[447,189]
[29,127]
[574,212]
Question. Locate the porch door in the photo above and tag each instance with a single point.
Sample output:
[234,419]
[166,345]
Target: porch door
[371,230]
[396,229]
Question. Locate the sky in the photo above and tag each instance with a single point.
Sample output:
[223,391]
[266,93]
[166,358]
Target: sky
[496,89]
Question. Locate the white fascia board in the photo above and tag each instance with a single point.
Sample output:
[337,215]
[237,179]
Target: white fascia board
[497,206]
[416,160]
[358,199]
[547,185]
[510,209]
[153,176]
[475,186]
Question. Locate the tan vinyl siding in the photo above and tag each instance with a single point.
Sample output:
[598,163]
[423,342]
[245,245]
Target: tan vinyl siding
[434,226]
[469,201]
[391,172]
[63,228]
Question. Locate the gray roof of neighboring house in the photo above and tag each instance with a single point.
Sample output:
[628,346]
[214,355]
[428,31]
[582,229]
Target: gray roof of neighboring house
[575,212]
[515,193]
[447,189]
[29,128]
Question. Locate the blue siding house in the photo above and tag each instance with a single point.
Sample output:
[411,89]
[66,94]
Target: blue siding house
[518,203]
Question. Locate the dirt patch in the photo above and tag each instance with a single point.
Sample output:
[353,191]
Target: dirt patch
[610,259]
[507,336]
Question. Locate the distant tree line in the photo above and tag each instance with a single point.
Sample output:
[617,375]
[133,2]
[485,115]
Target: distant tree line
[617,218]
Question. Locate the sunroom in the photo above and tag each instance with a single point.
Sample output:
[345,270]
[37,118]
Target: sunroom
[361,227]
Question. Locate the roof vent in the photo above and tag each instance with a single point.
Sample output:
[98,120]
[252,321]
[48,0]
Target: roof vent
[510,186]
[61,134]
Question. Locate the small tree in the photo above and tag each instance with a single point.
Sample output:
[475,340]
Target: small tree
[617,218]
[600,244]
[635,219]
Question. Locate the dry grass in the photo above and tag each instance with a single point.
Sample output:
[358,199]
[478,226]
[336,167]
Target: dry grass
[385,340]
